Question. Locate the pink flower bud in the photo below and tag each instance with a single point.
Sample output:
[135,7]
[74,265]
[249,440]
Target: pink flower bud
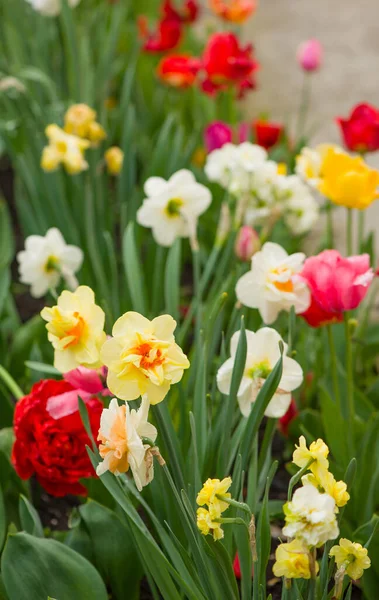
[247,243]
[216,135]
[309,55]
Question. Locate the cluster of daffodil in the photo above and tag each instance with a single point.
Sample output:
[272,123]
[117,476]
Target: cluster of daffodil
[215,496]
[67,146]
[344,179]
[142,360]
[311,521]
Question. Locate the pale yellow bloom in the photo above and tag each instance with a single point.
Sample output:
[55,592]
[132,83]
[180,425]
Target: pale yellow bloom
[352,556]
[206,524]
[76,330]
[64,149]
[213,488]
[114,158]
[309,163]
[348,180]
[318,451]
[292,561]
[78,119]
[96,133]
[143,358]
[325,482]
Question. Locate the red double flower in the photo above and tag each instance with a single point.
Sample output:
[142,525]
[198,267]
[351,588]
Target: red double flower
[169,28]
[179,70]
[53,448]
[226,63]
[360,131]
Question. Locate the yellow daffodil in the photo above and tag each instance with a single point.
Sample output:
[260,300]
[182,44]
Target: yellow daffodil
[75,329]
[213,488]
[143,358]
[65,149]
[114,158]
[206,523]
[310,161]
[318,452]
[292,561]
[78,118]
[326,482]
[352,556]
[348,180]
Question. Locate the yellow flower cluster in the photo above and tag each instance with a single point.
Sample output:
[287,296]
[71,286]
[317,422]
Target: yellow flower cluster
[310,516]
[114,158]
[142,357]
[213,494]
[67,146]
[320,477]
[352,557]
[344,179]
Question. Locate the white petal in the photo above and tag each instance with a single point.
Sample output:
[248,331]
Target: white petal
[292,375]
[224,376]
[278,406]
[154,186]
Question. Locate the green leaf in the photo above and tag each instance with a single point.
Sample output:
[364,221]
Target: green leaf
[113,549]
[35,568]
[172,280]
[335,427]
[30,521]
[41,367]
[3,520]
[6,236]
[133,270]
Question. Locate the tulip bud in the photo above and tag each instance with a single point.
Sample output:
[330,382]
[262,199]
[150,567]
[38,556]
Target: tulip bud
[216,135]
[247,243]
[309,55]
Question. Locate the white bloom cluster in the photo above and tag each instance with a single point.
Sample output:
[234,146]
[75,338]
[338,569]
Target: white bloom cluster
[245,171]
[50,8]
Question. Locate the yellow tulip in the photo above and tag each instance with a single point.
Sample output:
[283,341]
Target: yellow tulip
[76,330]
[143,358]
[348,181]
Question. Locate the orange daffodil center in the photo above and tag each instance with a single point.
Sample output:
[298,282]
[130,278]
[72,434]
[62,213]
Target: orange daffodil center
[143,358]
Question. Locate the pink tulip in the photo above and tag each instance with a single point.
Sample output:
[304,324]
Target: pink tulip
[87,383]
[337,285]
[247,243]
[309,55]
[216,135]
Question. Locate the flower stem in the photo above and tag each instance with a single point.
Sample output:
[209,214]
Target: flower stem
[15,390]
[349,232]
[350,382]
[304,106]
[235,503]
[334,368]
[361,230]
[329,225]
[297,477]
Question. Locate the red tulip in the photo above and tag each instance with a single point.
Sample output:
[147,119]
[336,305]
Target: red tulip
[226,63]
[337,285]
[361,130]
[178,70]
[187,14]
[235,11]
[237,568]
[267,134]
[166,37]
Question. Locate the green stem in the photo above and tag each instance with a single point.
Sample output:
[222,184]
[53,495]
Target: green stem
[235,503]
[334,368]
[11,384]
[197,290]
[349,232]
[329,225]
[350,382]
[304,105]
[361,230]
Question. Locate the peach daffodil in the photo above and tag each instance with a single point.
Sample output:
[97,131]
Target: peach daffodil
[76,329]
[122,444]
[273,283]
[143,358]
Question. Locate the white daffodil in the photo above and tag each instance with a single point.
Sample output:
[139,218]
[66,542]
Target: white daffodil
[173,207]
[233,166]
[262,355]
[122,445]
[219,164]
[273,283]
[299,208]
[47,259]
[310,517]
[50,8]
